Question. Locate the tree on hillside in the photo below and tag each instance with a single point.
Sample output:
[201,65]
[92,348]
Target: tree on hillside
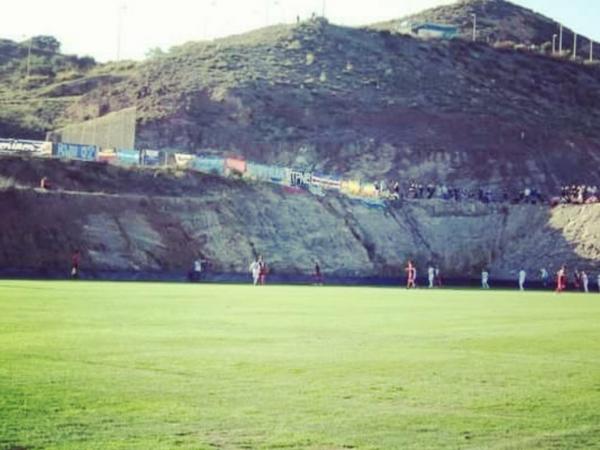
[154,53]
[46,43]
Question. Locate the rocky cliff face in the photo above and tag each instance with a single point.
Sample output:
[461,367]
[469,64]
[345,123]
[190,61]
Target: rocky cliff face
[158,221]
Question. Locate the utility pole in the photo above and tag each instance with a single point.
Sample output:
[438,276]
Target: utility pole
[29,56]
[560,40]
[323,8]
[591,51]
[574,45]
[267,12]
[474,16]
[120,13]
[554,36]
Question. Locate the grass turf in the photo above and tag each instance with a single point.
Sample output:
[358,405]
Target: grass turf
[107,365]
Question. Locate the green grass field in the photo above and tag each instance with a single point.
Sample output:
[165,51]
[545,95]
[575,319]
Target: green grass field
[144,366]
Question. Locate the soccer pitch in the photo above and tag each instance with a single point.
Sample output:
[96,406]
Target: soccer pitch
[161,366]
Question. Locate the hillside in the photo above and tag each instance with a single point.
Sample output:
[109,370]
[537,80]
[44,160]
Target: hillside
[497,21]
[370,104]
[38,84]
[358,102]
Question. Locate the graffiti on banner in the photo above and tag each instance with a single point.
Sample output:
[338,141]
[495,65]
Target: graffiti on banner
[326,182]
[26,146]
[76,151]
[300,178]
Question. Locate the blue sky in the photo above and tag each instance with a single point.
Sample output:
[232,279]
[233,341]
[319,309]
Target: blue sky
[89,27]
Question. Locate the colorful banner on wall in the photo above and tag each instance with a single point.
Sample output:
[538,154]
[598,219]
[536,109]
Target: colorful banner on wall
[270,174]
[152,157]
[350,187]
[127,157]
[209,164]
[108,155]
[326,182]
[39,148]
[184,160]
[368,190]
[76,151]
[235,165]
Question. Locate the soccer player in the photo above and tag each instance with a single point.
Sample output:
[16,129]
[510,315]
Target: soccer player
[75,259]
[584,281]
[485,276]
[431,276]
[197,273]
[438,277]
[262,272]
[577,280]
[255,271]
[411,273]
[522,277]
[598,281]
[318,274]
[561,280]
[545,276]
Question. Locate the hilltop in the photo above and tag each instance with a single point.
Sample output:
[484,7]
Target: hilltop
[497,21]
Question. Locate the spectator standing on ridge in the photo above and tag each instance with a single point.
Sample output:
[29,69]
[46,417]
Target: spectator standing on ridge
[485,276]
[255,271]
[431,276]
[75,260]
[584,281]
[45,183]
[522,277]
[545,276]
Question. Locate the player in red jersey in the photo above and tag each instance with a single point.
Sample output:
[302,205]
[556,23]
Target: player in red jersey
[262,271]
[561,279]
[411,272]
[75,259]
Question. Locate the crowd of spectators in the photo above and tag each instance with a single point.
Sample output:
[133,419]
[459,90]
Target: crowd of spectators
[416,190]
[573,194]
[578,194]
